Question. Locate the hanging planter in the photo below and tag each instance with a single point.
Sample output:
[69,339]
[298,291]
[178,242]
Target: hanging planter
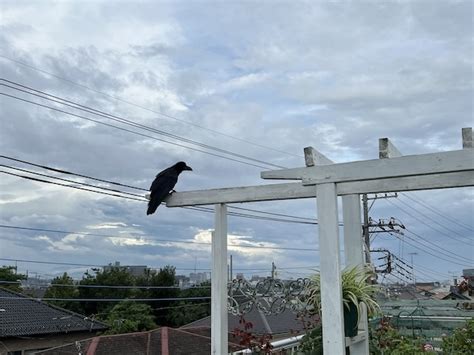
[351,320]
[355,293]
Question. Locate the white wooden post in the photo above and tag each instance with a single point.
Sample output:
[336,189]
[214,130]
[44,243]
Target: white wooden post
[219,322]
[354,255]
[330,268]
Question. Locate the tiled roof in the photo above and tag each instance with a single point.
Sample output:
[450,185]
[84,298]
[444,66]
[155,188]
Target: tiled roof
[282,323]
[164,340]
[24,316]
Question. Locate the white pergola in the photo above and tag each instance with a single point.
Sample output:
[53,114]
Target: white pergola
[326,180]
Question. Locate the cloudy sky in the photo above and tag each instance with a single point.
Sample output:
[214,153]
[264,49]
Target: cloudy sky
[259,79]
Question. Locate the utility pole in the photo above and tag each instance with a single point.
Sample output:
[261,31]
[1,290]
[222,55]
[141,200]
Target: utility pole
[412,268]
[365,228]
[230,269]
[368,222]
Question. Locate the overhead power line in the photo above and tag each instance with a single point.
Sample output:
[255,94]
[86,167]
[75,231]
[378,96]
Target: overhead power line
[126,287]
[439,213]
[435,222]
[72,181]
[71,173]
[129,130]
[147,237]
[424,247]
[197,208]
[110,299]
[146,108]
[427,225]
[62,101]
[69,186]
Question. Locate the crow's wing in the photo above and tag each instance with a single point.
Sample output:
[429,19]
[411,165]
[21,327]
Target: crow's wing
[160,188]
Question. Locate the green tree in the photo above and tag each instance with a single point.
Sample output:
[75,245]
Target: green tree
[10,278]
[115,276]
[461,342]
[165,277]
[56,290]
[129,316]
[184,312]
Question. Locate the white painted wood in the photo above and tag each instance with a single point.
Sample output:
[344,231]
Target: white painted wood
[467,137]
[330,268]
[312,157]
[410,165]
[219,317]
[387,149]
[295,190]
[354,255]
[353,240]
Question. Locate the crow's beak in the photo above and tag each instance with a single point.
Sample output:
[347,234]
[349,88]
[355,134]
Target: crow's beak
[187,168]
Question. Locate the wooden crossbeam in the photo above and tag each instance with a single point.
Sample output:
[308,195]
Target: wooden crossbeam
[387,149]
[295,190]
[467,137]
[312,157]
[410,165]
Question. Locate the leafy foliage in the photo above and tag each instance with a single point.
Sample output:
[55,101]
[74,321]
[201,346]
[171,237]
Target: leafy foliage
[258,344]
[8,273]
[110,277]
[461,342]
[355,289]
[188,311]
[129,316]
[312,342]
[55,291]
[386,340]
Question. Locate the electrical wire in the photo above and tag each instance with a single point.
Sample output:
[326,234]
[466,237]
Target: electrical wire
[126,287]
[71,173]
[151,238]
[437,212]
[109,299]
[427,252]
[197,208]
[147,109]
[427,225]
[71,181]
[436,222]
[127,122]
[129,131]
[70,186]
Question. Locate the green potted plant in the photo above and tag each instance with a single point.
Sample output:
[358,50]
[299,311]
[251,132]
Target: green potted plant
[356,291]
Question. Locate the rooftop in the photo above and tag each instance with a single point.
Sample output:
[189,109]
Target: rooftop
[24,316]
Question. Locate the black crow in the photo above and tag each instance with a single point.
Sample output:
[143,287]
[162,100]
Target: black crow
[164,184]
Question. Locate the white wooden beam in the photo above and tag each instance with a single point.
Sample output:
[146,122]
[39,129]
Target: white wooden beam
[219,317]
[353,241]
[354,255]
[312,157]
[387,149]
[467,137]
[295,190]
[410,165]
[330,270]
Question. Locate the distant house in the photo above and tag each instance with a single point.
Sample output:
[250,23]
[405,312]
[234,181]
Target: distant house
[28,325]
[162,341]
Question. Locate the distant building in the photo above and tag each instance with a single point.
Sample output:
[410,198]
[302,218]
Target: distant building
[134,270]
[240,276]
[197,278]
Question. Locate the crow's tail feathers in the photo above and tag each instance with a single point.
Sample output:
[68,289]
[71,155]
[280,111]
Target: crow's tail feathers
[152,206]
